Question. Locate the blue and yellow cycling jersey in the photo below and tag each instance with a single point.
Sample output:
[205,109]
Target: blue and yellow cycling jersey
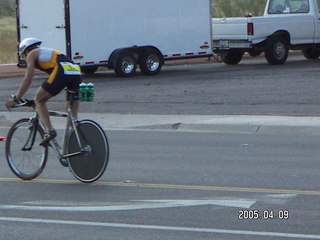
[63,72]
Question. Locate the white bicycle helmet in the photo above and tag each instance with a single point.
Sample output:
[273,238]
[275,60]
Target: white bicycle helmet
[26,43]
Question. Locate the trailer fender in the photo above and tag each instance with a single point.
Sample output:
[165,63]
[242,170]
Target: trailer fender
[150,60]
[147,49]
[113,57]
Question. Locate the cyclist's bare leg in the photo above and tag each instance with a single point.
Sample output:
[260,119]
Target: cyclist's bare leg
[75,107]
[41,98]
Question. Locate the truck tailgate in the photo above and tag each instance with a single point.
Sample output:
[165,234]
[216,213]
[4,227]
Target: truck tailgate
[229,28]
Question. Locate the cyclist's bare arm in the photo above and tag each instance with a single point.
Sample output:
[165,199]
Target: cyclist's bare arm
[26,82]
[31,59]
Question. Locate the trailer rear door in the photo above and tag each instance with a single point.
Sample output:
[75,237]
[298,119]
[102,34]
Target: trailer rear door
[43,19]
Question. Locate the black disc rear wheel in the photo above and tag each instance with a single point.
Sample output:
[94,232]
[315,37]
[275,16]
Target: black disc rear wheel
[92,162]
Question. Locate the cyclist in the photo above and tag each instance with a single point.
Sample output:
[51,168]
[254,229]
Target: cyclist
[63,73]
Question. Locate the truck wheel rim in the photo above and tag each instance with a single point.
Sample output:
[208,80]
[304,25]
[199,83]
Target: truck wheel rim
[279,50]
[127,65]
[153,63]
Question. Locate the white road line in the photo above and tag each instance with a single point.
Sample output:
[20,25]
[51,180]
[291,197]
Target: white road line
[148,204]
[134,205]
[163,228]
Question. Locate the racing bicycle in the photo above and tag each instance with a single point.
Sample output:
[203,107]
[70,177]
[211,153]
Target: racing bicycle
[85,148]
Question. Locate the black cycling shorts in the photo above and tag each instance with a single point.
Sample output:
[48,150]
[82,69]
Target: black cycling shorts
[62,77]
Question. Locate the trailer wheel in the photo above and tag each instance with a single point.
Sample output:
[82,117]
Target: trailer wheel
[125,64]
[232,57]
[277,50]
[150,62]
[311,53]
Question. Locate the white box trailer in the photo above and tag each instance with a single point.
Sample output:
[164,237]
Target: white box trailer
[119,34]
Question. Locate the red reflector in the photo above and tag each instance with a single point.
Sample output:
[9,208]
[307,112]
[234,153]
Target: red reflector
[77,57]
[189,54]
[250,29]
[89,62]
[205,47]
[176,55]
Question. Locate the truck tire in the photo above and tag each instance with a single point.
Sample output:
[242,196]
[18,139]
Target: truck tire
[150,62]
[311,53]
[277,50]
[232,57]
[125,64]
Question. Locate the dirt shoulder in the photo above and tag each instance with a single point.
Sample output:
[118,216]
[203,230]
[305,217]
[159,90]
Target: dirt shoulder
[11,70]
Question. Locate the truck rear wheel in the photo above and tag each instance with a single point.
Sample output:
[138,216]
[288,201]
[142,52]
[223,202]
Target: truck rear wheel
[277,50]
[125,64]
[232,57]
[150,62]
[311,53]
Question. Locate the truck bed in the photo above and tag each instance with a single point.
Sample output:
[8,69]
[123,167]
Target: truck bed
[229,28]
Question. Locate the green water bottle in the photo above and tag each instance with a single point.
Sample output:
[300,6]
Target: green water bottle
[83,92]
[90,92]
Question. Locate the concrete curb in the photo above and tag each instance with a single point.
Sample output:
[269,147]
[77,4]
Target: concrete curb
[208,123]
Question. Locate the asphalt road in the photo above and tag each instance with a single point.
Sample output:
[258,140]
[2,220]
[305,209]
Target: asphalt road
[167,184]
[252,87]
[175,185]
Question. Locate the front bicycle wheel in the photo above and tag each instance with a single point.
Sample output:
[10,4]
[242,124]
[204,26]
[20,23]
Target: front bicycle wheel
[25,156]
[89,165]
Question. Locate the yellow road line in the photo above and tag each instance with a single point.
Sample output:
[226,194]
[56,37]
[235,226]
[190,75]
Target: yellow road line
[172,186]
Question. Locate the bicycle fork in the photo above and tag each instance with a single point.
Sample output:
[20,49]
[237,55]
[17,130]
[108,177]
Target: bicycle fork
[32,136]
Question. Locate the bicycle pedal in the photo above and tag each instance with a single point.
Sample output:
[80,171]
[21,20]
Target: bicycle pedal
[48,137]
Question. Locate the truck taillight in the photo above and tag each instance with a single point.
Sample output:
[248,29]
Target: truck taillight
[250,29]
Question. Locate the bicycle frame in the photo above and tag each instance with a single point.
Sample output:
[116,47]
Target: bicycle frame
[71,125]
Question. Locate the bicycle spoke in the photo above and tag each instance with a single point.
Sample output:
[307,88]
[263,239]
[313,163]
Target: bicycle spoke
[26,158]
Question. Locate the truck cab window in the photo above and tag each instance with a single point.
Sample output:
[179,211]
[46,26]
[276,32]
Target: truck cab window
[288,6]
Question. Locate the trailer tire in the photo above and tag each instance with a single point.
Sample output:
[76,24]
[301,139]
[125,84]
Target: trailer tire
[125,64]
[150,62]
[277,50]
[232,57]
[311,53]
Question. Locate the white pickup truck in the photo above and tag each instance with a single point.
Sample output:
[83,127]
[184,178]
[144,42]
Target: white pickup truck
[285,25]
